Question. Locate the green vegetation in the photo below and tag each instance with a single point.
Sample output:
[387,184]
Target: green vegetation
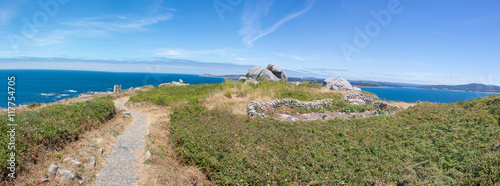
[33,105]
[426,144]
[429,143]
[168,95]
[51,126]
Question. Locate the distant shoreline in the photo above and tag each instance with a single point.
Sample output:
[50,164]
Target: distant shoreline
[431,89]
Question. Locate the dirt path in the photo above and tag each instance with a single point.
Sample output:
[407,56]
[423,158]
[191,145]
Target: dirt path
[123,160]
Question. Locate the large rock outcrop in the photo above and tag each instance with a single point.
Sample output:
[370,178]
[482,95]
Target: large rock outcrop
[272,73]
[337,84]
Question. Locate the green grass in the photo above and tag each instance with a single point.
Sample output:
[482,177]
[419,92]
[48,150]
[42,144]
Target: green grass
[168,95]
[52,126]
[427,144]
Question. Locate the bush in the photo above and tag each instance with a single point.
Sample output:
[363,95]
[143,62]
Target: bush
[427,144]
[33,105]
[168,95]
[51,126]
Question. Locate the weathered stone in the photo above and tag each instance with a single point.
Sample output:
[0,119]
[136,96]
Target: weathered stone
[53,169]
[251,81]
[75,162]
[101,150]
[65,174]
[126,112]
[271,73]
[356,96]
[92,161]
[357,102]
[138,104]
[276,70]
[254,72]
[356,89]
[148,154]
[337,84]
[380,104]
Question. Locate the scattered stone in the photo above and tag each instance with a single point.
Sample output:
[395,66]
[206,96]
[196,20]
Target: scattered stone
[286,117]
[359,98]
[337,84]
[75,162]
[43,180]
[251,81]
[148,154]
[174,83]
[252,106]
[65,174]
[186,102]
[92,161]
[147,133]
[126,112]
[101,150]
[380,104]
[356,89]
[53,169]
[138,104]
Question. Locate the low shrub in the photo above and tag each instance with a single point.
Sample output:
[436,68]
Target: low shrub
[51,126]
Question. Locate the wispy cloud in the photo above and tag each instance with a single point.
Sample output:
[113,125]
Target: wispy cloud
[290,56]
[104,25]
[251,28]
[183,53]
[117,23]
[478,20]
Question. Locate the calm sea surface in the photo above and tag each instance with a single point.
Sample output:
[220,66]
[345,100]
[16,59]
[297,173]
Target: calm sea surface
[415,94]
[37,85]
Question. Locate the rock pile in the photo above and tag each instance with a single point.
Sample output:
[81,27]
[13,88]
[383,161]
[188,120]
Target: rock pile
[272,73]
[174,83]
[252,106]
[64,174]
[359,98]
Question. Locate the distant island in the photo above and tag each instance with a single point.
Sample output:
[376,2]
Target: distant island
[473,87]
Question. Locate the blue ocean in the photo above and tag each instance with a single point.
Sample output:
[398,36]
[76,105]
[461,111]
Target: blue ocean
[428,95]
[44,86]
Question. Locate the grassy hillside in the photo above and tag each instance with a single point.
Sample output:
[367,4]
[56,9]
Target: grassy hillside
[52,126]
[427,144]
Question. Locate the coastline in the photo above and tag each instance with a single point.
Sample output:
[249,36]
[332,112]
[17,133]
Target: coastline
[495,93]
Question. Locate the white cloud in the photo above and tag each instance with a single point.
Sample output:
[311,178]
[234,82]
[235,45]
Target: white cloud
[182,53]
[251,27]
[290,56]
[118,23]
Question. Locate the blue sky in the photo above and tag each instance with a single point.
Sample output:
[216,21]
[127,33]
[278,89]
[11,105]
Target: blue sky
[431,42]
